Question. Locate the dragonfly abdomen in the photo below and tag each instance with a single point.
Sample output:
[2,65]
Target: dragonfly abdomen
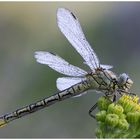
[29,109]
[72,91]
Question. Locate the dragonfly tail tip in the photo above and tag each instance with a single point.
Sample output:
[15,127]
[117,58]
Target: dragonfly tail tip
[2,123]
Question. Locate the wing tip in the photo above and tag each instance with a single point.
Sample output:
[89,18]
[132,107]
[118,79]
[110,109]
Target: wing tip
[61,9]
[62,12]
[42,53]
[37,54]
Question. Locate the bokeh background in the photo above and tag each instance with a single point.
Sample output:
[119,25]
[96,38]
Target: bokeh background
[112,28]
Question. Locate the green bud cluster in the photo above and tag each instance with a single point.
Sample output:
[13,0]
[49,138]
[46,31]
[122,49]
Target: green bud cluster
[120,119]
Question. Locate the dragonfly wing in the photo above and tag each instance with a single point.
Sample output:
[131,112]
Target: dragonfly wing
[58,64]
[66,82]
[106,66]
[70,27]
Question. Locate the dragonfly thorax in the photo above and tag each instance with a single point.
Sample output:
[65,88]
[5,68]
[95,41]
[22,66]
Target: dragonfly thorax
[103,80]
[107,82]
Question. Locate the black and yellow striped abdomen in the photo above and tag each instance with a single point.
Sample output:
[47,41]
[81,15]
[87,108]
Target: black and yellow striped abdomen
[72,91]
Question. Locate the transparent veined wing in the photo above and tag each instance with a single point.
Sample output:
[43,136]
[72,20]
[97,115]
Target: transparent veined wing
[58,64]
[106,66]
[66,82]
[70,27]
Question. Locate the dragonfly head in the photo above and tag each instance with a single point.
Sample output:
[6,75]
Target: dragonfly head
[124,82]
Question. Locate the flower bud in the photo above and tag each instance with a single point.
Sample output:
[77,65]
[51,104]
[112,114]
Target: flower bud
[122,116]
[115,109]
[100,116]
[129,103]
[133,117]
[120,119]
[129,106]
[98,133]
[123,124]
[112,120]
[103,103]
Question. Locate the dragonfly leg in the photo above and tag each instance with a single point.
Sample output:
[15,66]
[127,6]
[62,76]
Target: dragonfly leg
[129,93]
[114,98]
[91,110]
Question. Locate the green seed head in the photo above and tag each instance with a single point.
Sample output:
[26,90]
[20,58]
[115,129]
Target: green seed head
[120,119]
[101,115]
[123,124]
[112,120]
[103,103]
[133,117]
[98,133]
[115,109]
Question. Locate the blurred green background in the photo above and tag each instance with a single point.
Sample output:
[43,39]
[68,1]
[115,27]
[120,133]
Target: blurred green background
[112,28]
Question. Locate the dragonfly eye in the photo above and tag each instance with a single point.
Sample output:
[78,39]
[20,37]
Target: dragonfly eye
[124,81]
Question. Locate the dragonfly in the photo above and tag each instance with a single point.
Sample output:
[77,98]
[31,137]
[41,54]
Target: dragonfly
[77,81]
